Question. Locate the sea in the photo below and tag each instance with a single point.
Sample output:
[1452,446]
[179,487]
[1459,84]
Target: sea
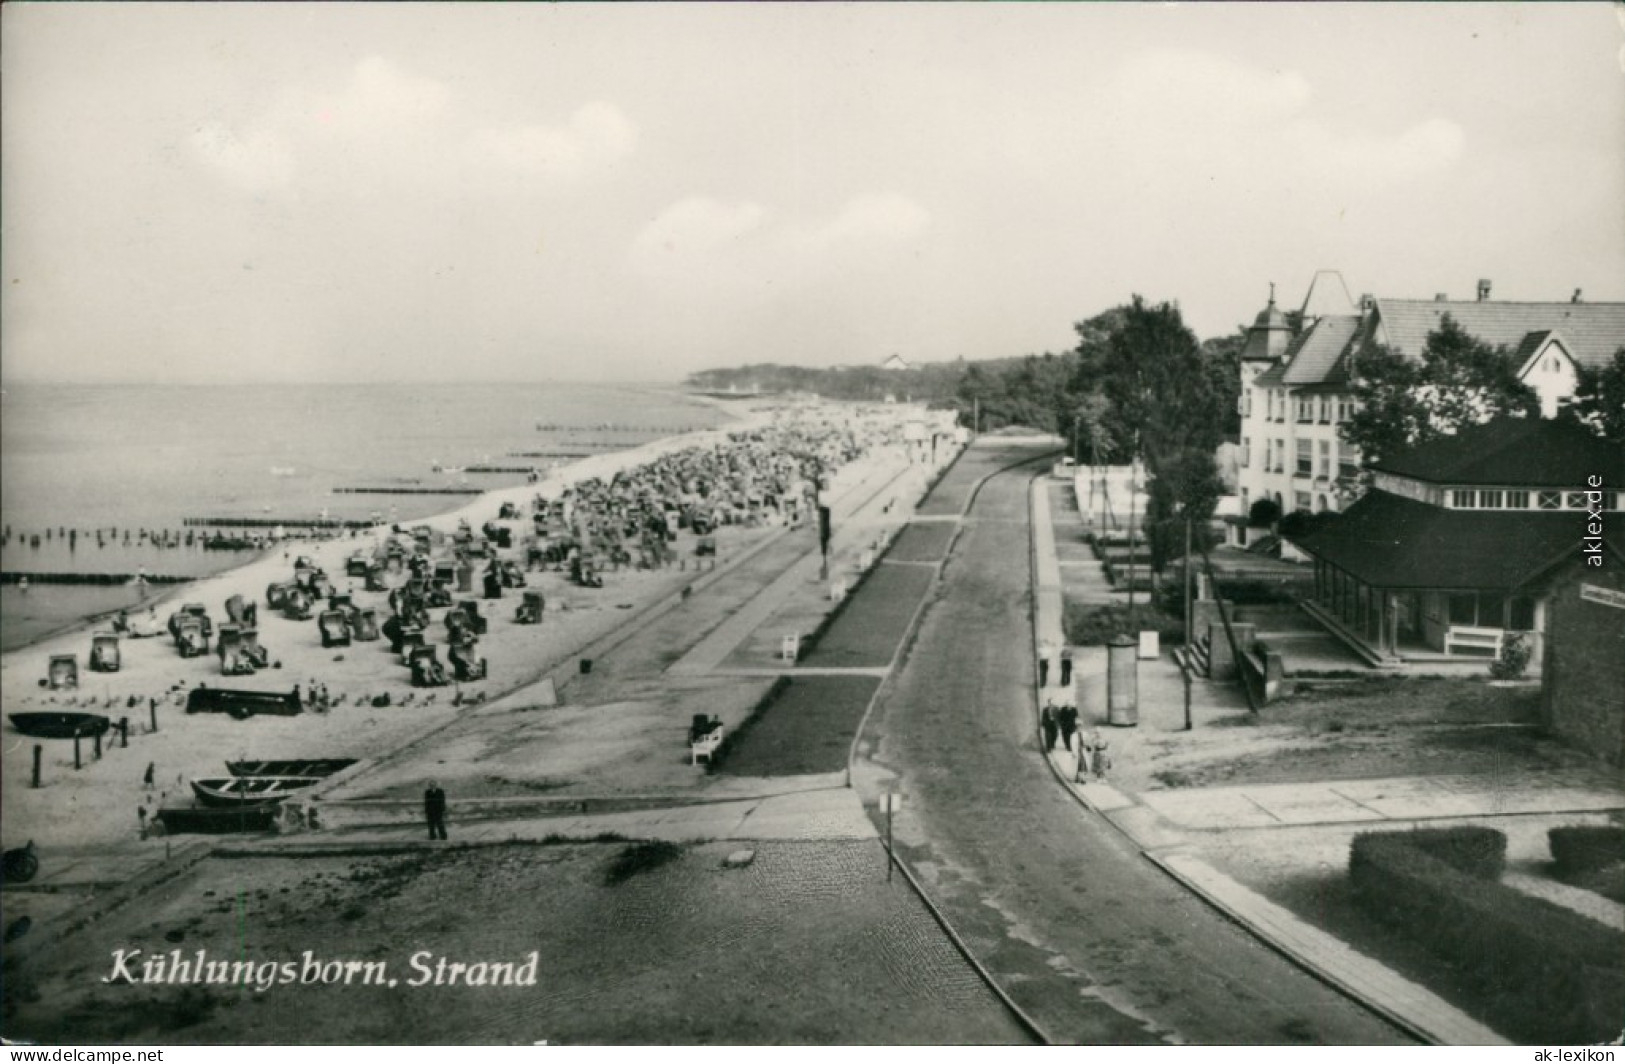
[109,461]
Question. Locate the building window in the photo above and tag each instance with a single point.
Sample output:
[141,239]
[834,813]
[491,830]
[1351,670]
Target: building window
[1306,410]
[1521,614]
[1325,410]
[1247,403]
[1489,500]
[1306,461]
[1517,500]
[1461,499]
[1320,504]
[1551,500]
[1244,497]
[1464,609]
[1246,452]
[1345,408]
[1300,500]
[1280,406]
[1324,468]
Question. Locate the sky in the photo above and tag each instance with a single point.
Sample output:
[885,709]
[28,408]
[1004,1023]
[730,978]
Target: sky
[532,192]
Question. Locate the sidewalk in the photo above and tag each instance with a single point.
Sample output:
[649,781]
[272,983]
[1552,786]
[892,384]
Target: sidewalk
[1407,1004]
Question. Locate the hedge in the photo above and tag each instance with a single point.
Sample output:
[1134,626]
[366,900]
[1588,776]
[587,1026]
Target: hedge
[1578,849]
[1552,974]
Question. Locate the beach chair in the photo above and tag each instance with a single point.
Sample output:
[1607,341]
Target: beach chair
[104,652]
[411,639]
[512,575]
[530,611]
[706,547]
[464,666]
[276,595]
[445,572]
[459,629]
[426,668]
[335,632]
[357,564]
[229,648]
[242,612]
[296,604]
[376,578]
[364,625]
[63,672]
[252,652]
[189,637]
[439,594]
[472,608]
[201,612]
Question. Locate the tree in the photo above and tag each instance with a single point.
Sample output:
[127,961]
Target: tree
[1159,385]
[1400,403]
[1263,513]
[1599,399]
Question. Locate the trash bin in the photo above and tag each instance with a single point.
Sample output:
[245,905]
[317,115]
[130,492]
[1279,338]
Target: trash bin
[1122,682]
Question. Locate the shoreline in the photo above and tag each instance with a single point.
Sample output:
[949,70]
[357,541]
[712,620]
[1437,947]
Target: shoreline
[737,416]
[97,806]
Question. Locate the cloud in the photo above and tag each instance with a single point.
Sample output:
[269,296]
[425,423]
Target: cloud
[866,218]
[596,134]
[694,232]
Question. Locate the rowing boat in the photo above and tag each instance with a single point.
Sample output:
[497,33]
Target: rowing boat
[318,767]
[60,725]
[226,791]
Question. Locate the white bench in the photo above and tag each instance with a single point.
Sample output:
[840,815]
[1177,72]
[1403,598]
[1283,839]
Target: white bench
[1473,640]
[705,747]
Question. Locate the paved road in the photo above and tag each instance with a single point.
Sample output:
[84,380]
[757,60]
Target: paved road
[1086,934]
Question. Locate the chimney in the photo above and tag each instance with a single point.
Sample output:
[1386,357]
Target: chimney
[1442,297]
[1367,300]
[1575,298]
[1484,290]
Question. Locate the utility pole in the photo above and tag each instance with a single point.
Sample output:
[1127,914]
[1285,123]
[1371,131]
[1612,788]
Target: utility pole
[1133,463]
[1188,575]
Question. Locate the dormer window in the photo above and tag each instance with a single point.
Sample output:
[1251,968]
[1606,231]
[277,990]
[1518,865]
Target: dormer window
[1550,500]
[1463,499]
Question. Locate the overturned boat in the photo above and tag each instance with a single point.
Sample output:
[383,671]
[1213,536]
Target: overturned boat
[238,791]
[243,704]
[310,767]
[60,725]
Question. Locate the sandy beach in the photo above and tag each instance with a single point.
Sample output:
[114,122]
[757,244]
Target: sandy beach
[99,802]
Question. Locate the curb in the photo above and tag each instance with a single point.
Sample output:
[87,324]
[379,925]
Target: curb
[1303,960]
[903,647]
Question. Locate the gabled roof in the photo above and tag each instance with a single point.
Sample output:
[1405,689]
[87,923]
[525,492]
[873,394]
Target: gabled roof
[1592,332]
[1272,377]
[1317,357]
[1391,542]
[1513,452]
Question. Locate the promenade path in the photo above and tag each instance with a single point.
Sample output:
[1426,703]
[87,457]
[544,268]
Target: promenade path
[1090,938]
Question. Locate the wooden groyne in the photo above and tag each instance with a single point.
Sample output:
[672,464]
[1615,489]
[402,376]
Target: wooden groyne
[276,522]
[642,430]
[103,579]
[409,491]
[499,469]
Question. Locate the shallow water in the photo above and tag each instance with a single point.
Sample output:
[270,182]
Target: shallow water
[131,457]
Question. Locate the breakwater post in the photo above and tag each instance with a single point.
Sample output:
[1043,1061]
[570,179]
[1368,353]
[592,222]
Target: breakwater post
[153,706]
[77,764]
[38,750]
[124,733]
[98,745]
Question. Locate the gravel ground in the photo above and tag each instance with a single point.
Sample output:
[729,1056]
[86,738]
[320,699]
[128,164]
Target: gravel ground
[808,944]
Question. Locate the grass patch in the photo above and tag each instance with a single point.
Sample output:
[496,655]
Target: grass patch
[864,630]
[638,858]
[804,725]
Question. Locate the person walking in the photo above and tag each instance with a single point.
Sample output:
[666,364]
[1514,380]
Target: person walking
[141,814]
[1068,720]
[434,810]
[1045,650]
[1066,666]
[147,779]
[1047,719]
